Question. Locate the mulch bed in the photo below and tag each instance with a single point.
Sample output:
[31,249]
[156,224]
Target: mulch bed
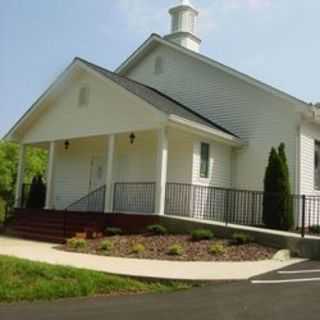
[156,247]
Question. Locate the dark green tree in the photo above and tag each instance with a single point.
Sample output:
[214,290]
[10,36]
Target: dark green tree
[286,214]
[277,206]
[37,194]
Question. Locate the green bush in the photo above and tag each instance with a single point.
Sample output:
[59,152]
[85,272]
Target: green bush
[157,229]
[77,244]
[241,238]
[314,229]
[37,194]
[277,201]
[138,248]
[113,231]
[217,249]
[106,245]
[201,234]
[176,250]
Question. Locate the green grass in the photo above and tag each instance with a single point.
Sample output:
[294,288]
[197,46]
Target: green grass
[22,280]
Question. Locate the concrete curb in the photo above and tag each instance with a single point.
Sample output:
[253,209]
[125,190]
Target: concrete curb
[172,270]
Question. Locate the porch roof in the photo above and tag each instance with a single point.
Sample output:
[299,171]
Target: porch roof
[159,100]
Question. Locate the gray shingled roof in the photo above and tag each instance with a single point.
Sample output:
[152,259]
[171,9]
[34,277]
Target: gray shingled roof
[156,98]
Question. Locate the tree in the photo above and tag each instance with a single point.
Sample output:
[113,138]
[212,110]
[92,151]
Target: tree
[36,162]
[287,219]
[37,194]
[277,206]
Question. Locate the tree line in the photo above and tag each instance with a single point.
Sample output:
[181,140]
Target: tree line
[36,162]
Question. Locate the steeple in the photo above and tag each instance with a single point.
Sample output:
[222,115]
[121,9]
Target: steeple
[183,25]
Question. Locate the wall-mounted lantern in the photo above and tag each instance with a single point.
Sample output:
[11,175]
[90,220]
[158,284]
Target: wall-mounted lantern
[66,145]
[132,138]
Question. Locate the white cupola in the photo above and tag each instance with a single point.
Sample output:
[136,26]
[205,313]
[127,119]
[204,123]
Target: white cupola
[183,26]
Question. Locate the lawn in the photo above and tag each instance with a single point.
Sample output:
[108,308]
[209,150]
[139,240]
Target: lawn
[22,280]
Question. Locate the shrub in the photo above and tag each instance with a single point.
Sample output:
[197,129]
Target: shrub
[277,201]
[37,194]
[314,229]
[113,231]
[202,234]
[241,238]
[106,245]
[78,244]
[157,229]
[176,250]
[217,249]
[138,248]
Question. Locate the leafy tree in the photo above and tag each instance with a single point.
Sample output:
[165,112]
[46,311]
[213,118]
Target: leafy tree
[36,161]
[277,205]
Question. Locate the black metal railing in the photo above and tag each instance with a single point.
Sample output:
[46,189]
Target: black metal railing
[134,197]
[92,202]
[241,207]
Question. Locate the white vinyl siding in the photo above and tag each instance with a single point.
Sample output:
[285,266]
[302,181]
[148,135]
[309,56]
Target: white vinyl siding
[310,133]
[72,169]
[260,119]
[135,162]
[112,110]
[219,165]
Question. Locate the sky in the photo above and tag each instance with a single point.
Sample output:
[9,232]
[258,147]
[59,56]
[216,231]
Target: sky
[276,41]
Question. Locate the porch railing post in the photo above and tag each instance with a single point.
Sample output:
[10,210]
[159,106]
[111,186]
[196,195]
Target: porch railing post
[65,224]
[162,164]
[50,176]
[226,208]
[303,222]
[109,174]
[20,177]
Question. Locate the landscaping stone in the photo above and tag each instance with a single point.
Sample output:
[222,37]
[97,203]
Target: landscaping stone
[157,248]
[282,255]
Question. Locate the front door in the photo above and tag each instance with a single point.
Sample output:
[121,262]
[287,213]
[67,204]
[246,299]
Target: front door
[97,173]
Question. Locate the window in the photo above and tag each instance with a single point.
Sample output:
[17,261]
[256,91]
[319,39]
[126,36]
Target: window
[317,165]
[83,99]
[205,159]
[158,66]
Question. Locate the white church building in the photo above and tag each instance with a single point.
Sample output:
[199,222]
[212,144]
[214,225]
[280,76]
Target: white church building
[167,120]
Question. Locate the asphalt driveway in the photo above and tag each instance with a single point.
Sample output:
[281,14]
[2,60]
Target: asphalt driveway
[221,301]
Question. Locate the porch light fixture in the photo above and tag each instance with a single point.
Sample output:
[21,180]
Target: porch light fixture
[132,138]
[66,145]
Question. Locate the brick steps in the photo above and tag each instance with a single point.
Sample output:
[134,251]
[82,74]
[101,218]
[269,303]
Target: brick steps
[57,226]
[54,226]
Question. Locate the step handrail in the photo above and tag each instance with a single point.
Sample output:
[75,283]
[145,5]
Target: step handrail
[93,201]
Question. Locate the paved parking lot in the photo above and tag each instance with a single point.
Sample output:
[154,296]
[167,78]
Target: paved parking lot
[222,301]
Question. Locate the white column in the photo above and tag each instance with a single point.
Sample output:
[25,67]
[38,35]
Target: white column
[20,176]
[50,176]
[162,164]
[109,174]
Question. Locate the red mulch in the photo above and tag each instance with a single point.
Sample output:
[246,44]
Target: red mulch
[156,247]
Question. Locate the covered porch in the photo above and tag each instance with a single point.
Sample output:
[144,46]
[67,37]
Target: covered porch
[126,172]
